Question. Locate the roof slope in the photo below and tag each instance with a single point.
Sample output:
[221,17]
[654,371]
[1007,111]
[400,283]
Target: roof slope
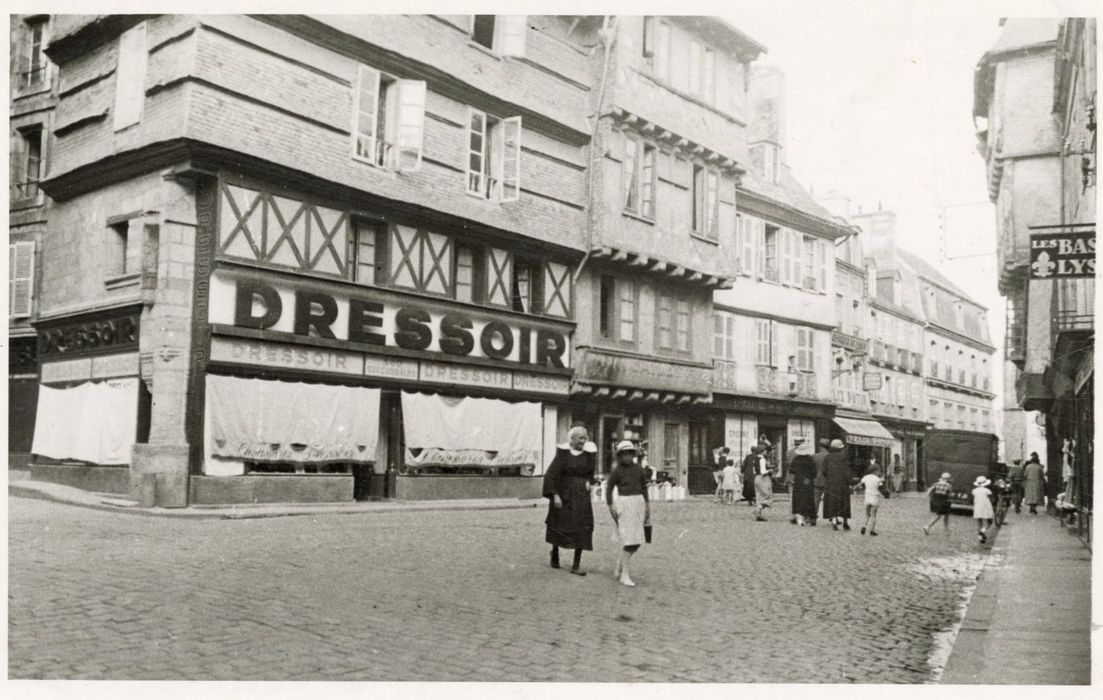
[929,272]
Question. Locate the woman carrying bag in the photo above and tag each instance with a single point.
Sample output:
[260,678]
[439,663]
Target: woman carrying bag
[632,511]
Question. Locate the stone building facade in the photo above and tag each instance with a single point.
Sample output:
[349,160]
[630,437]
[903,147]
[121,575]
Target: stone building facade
[1035,109]
[33,99]
[772,331]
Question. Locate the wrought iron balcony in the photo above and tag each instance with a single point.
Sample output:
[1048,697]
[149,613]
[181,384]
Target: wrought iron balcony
[1075,306]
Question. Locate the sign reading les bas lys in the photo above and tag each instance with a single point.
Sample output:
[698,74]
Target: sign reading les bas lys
[372,320]
[1062,255]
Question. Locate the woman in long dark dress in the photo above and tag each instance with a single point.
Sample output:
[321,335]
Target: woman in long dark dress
[750,462]
[836,492]
[804,478]
[570,521]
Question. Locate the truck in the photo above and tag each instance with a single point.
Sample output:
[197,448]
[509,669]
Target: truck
[965,455]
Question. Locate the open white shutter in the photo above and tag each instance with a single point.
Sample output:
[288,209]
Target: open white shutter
[512,30]
[511,159]
[797,261]
[364,116]
[20,278]
[130,77]
[825,257]
[775,351]
[411,124]
[759,233]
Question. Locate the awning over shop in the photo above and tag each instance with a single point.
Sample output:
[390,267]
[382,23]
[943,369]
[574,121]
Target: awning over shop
[93,422]
[865,432]
[443,431]
[271,421]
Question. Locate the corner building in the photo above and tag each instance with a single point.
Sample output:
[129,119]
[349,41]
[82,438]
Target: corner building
[1036,112]
[313,258]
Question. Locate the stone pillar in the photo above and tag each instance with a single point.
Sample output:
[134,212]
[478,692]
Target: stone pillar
[159,468]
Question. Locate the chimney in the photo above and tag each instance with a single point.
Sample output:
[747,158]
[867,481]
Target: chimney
[881,226]
[767,100]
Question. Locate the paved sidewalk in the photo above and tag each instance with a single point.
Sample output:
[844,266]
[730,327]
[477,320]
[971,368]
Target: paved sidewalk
[1029,620]
[68,495]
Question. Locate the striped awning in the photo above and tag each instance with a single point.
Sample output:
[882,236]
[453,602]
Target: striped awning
[864,432]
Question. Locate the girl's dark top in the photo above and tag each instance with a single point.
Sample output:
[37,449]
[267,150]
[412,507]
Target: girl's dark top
[571,525]
[629,481]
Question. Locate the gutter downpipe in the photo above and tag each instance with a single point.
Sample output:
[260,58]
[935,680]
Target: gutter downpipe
[608,38]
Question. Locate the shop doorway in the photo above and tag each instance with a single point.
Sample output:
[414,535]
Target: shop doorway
[701,465]
[672,437]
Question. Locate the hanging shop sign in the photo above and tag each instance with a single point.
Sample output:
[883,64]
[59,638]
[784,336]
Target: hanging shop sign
[871,381]
[384,319]
[1063,255]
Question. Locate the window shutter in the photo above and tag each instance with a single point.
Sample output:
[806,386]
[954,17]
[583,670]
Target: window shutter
[649,36]
[774,349]
[130,77]
[411,124]
[759,235]
[364,114]
[20,278]
[825,256]
[511,159]
[511,35]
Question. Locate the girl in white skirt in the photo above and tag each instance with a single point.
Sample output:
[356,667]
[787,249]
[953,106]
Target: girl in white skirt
[631,511]
[982,507]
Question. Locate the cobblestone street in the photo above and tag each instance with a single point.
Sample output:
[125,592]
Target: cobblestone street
[469,595]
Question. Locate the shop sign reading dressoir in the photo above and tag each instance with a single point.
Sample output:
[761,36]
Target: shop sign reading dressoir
[378,318]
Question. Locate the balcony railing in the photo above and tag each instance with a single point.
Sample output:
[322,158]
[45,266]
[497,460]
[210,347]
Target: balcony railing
[723,375]
[1075,306]
[769,380]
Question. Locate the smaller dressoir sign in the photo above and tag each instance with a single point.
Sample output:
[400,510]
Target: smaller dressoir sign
[274,355]
[86,368]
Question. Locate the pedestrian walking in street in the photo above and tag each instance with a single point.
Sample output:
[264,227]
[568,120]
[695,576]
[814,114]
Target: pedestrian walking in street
[897,474]
[1016,476]
[729,477]
[632,510]
[982,507]
[1034,478]
[803,468]
[750,463]
[872,483]
[821,479]
[836,494]
[939,495]
[718,472]
[763,485]
[570,521]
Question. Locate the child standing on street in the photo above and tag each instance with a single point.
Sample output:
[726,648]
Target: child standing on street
[872,483]
[939,494]
[982,507]
[728,479]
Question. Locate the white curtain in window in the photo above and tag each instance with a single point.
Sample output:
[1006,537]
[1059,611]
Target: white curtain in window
[489,431]
[92,422]
[271,421]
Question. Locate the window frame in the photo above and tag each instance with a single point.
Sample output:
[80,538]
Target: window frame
[611,314]
[24,84]
[497,157]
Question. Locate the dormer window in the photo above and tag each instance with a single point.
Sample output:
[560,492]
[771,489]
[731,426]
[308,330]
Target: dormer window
[503,34]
